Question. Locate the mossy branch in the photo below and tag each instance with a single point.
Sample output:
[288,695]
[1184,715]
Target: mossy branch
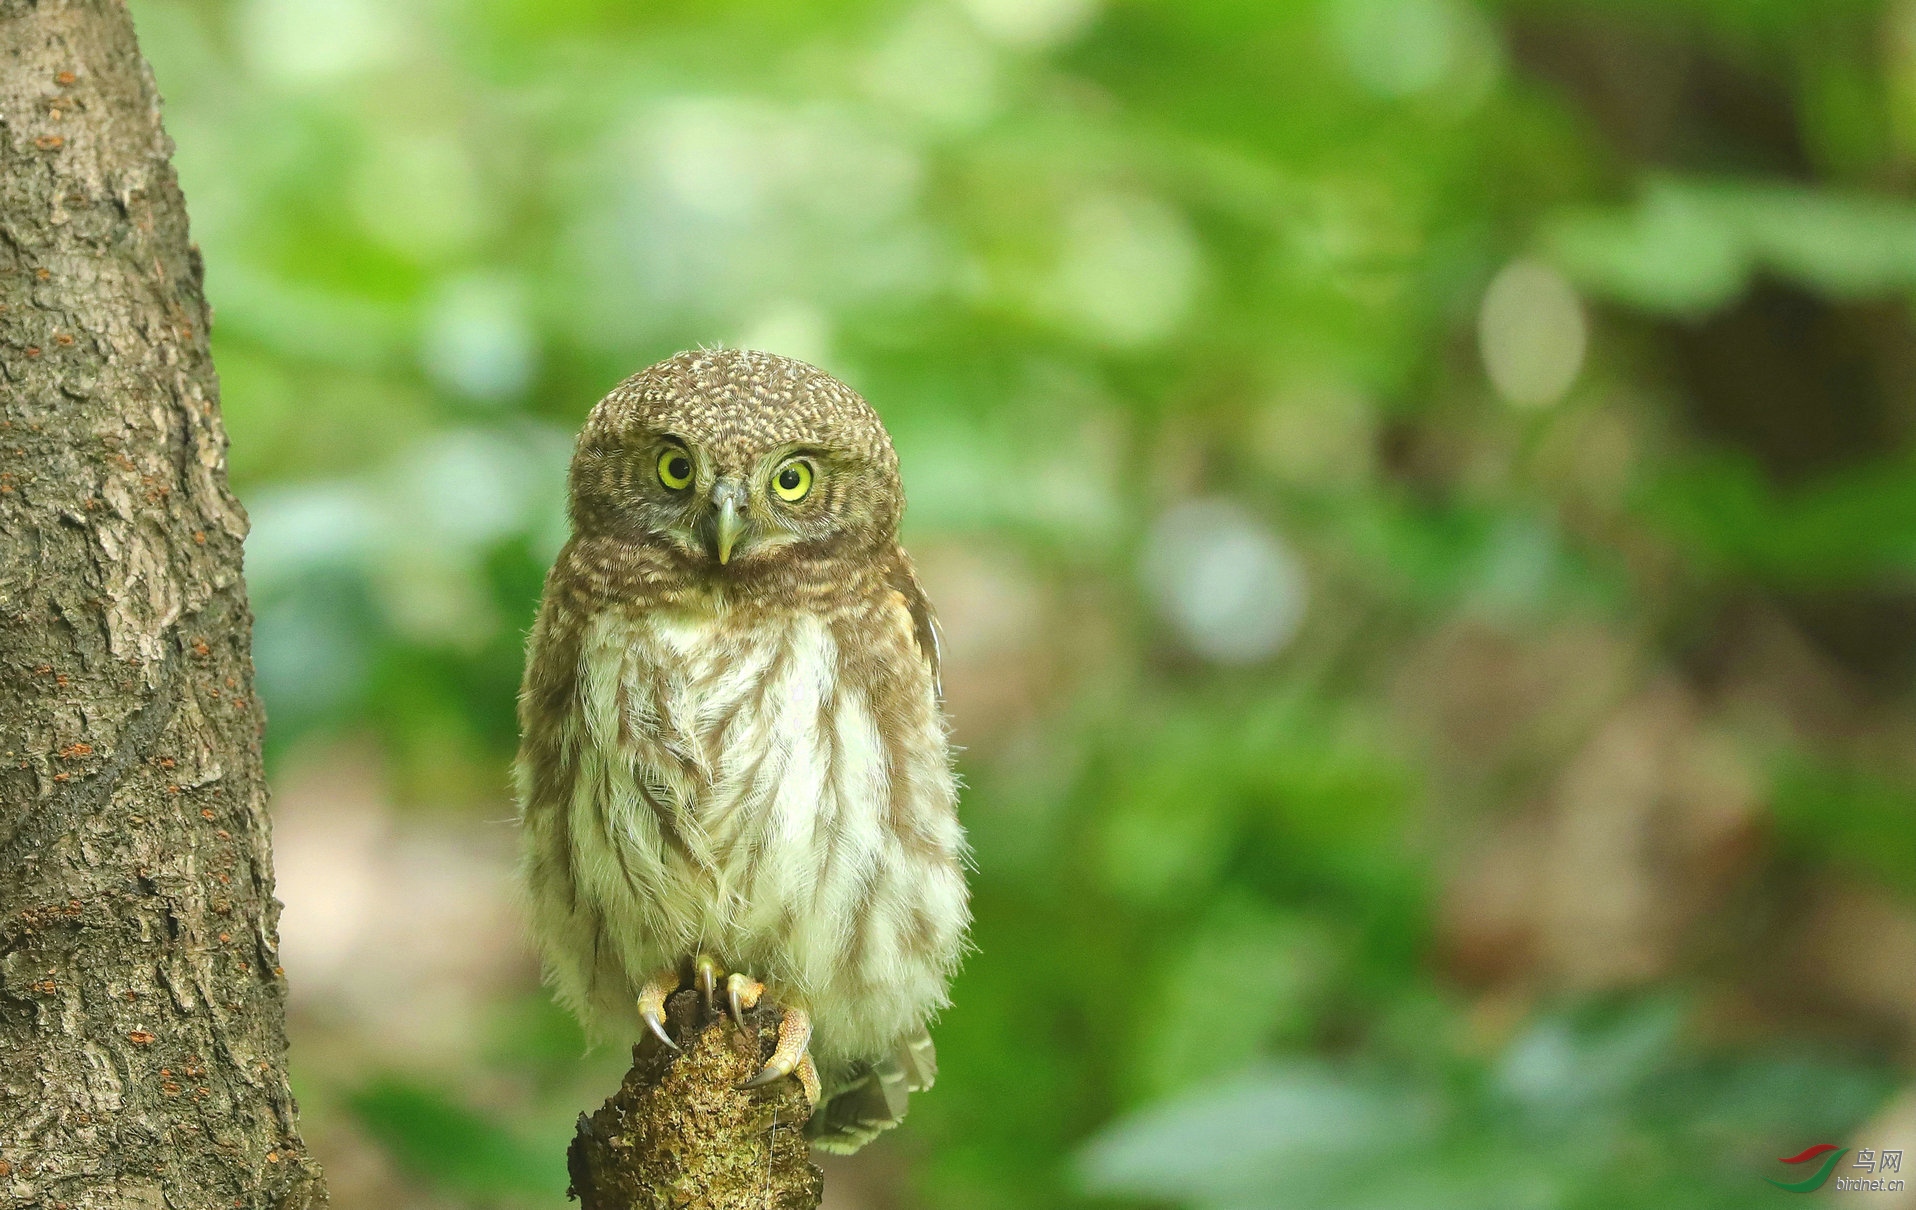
[679,1132]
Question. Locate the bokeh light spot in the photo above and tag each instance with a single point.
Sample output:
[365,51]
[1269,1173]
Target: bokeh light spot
[1032,24]
[935,67]
[316,41]
[1129,270]
[479,342]
[1397,48]
[1230,587]
[1532,334]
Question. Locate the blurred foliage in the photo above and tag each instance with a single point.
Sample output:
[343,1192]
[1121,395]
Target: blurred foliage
[432,1134]
[1221,447]
[1599,1108]
[1691,247]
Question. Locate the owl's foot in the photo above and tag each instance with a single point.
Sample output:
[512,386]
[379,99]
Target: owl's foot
[794,1034]
[705,977]
[663,983]
[742,992]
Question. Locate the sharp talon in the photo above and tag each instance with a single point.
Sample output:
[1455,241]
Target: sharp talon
[653,1023]
[707,977]
[742,991]
[652,1003]
[794,1034]
[771,1073]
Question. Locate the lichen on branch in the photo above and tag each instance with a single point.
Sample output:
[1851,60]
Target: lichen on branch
[680,1133]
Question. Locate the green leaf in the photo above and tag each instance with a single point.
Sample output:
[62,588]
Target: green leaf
[1689,246]
[1851,527]
[1296,1125]
[1852,817]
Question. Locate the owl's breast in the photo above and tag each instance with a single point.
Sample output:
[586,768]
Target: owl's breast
[739,771]
[720,710]
[773,790]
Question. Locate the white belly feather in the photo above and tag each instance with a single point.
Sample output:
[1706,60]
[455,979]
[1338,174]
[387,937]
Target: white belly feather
[733,796]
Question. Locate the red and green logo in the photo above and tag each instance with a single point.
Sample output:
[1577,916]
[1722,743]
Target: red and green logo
[1829,1153]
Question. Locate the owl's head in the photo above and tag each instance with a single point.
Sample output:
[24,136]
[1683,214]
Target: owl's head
[736,459]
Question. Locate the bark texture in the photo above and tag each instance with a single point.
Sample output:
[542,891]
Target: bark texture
[142,1043]
[680,1135]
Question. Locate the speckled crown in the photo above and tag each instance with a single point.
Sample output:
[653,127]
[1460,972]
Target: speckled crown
[738,402]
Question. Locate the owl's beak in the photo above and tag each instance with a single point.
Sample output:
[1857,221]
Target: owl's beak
[727,496]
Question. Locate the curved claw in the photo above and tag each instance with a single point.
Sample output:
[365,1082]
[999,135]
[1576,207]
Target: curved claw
[706,975]
[657,1026]
[794,1034]
[742,992]
[652,1003]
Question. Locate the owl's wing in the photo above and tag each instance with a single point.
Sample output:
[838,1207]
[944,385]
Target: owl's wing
[920,1060]
[924,623]
[874,1098]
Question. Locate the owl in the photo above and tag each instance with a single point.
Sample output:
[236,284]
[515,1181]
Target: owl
[734,768]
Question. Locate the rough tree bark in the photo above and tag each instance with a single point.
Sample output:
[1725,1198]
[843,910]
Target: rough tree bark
[142,1043]
[679,1134]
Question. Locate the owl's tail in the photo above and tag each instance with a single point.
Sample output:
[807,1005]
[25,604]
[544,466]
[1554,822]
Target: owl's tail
[872,1098]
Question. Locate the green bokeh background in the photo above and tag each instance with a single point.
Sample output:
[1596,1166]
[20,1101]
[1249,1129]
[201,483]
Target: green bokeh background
[1420,493]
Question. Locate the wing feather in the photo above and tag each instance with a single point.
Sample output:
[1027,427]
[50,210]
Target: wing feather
[875,1097]
[903,580]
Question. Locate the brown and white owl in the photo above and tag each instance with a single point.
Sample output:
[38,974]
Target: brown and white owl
[734,766]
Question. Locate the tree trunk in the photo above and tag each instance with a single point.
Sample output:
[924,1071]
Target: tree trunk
[142,1034]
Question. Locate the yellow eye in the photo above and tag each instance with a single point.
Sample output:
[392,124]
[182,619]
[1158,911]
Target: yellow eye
[675,469]
[793,480]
